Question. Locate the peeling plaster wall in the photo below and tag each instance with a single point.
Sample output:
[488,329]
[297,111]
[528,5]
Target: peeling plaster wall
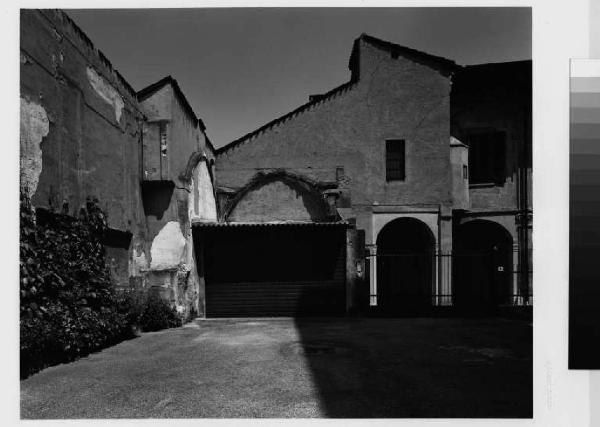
[173,267]
[168,247]
[106,91]
[82,122]
[203,203]
[34,127]
[80,131]
[87,153]
[459,157]
[139,262]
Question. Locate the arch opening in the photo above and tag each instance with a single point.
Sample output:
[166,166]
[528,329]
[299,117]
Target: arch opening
[278,197]
[483,265]
[405,266]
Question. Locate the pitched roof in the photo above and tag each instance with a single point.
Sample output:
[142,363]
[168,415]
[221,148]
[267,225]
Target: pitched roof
[154,87]
[321,98]
[431,60]
[514,76]
[414,54]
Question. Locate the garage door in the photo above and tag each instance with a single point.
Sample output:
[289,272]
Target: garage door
[274,270]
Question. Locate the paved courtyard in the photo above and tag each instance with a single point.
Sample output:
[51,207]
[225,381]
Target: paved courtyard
[342,367]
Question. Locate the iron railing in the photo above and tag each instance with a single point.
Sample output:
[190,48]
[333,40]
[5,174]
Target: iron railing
[452,279]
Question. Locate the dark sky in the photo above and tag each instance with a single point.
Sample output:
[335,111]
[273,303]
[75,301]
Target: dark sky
[242,67]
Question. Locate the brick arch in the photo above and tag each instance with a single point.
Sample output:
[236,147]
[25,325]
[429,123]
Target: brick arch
[278,195]
[430,220]
[483,264]
[195,158]
[507,222]
[405,265]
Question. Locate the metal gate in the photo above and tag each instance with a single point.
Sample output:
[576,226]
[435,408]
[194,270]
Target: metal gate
[468,281]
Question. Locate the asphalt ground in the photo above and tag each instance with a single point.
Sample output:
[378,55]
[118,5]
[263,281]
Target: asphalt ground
[280,368]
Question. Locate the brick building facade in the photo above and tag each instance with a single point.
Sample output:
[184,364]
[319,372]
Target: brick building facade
[427,160]
[406,188]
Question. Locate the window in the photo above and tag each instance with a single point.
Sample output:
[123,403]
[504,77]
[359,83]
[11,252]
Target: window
[487,158]
[163,138]
[395,160]
[465,172]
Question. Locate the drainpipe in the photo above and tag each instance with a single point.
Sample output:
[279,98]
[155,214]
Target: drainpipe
[523,211]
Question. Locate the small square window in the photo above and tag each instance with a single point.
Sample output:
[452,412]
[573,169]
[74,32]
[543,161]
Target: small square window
[395,160]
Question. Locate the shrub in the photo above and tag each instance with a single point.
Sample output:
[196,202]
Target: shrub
[68,305]
[158,314]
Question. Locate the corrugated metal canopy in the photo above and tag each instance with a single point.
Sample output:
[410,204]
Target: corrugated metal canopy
[200,223]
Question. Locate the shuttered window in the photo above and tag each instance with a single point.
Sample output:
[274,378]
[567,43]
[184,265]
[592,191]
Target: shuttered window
[487,158]
[395,160]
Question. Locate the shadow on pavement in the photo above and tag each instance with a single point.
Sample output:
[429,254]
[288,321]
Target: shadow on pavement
[420,367]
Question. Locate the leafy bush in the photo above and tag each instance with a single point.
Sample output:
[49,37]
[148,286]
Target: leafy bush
[68,305]
[157,314]
[148,311]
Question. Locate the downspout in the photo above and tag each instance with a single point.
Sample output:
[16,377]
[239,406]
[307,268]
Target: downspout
[523,211]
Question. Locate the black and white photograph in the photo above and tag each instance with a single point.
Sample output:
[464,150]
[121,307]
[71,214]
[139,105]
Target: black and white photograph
[276,212]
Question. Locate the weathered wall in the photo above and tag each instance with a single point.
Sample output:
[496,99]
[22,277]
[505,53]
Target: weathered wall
[84,134]
[203,205]
[496,97]
[175,196]
[278,201]
[80,130]
[459,158]
[158,112]
[395,98]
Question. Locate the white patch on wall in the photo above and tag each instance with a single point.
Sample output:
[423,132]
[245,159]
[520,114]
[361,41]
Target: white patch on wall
[204,205]
[106,91]
[34,127]
[168,247]
[138,263]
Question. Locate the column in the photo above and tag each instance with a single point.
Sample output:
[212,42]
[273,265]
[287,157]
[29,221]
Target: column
[518,298]
[373,274]
[444,261]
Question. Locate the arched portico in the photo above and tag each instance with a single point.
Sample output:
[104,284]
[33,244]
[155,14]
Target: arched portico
[405,265]
[483,265]
[380,220]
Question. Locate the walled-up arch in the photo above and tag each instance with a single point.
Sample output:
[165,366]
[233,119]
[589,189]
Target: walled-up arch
[278,196]
[203,206]
[405,265]
[483,265]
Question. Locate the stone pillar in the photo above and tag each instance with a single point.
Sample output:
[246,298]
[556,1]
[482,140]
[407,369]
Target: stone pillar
[444,261]
[517,299]
[199,261]
[373,274]
[354,268]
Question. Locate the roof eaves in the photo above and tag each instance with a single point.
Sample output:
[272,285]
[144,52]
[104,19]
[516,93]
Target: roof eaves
[324,98]
[444,63]
[521,63]
[151,89]
[212,224]
[85,39]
